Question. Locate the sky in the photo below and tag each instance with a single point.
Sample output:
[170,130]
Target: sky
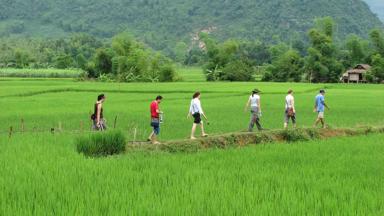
[377,6]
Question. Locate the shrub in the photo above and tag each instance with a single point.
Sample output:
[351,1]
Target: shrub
[295,135]
[238,71]
[167,74]
[101,144]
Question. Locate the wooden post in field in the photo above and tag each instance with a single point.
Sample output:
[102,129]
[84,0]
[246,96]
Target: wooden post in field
[22,126]
[115,123]
[60,127]
[10,132]
[81,126]
[91,125]
[134,135]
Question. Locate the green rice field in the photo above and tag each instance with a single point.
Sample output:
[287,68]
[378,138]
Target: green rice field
[40,73]
[42,174]
[46,103]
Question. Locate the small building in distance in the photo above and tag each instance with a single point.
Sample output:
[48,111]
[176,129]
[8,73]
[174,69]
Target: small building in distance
[356,74]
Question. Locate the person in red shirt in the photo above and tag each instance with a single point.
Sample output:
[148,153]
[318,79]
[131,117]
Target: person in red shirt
[155,119]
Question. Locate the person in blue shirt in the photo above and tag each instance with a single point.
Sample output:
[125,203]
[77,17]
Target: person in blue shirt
[320,106]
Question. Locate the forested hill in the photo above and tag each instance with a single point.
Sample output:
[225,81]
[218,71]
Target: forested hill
[162,23]
[377,7]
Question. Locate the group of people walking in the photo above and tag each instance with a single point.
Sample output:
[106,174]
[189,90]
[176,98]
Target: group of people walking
[254,103]
[196,112]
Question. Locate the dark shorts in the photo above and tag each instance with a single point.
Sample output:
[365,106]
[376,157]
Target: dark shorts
[287,117]
[197,118]
[155,123]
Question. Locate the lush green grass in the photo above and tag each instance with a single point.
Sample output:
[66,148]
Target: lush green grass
[45,103]
[191,74]
[40,73]
[44,175]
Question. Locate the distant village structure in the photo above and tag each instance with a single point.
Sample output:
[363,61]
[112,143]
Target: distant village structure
[356,74]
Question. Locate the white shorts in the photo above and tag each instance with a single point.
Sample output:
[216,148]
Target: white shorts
[320,115]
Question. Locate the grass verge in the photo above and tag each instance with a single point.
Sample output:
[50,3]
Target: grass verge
[239,139]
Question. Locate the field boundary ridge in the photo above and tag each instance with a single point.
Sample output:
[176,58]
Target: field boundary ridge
[240,139]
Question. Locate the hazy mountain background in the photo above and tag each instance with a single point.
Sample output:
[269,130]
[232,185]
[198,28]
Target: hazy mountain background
[377,7]
[163,23]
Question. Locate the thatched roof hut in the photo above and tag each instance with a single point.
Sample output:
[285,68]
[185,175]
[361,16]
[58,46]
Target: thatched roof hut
[356,74]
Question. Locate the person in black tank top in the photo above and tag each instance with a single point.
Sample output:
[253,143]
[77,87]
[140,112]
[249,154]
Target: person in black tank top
[99,123]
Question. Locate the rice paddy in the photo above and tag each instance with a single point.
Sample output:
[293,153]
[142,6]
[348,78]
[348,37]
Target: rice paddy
[42,173]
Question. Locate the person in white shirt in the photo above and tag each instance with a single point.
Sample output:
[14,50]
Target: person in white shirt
[255,105]
[196,111]
[290,111]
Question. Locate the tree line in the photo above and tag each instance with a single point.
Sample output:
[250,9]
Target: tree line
[323,59]
[320,57]
[121,58]
[161,23]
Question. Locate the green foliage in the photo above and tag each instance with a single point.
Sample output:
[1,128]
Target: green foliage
[356,51]
[101,143]
[294,135]
[103,61]
[321,63]
[287,67]
[376,73]
[63,61]
[21,59]
[71,52]
[162,24]
[128,60]
[378,40]
[41,73]
[229,61]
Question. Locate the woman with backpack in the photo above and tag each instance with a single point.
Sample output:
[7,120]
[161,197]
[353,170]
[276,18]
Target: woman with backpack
[99,123]
[290,111]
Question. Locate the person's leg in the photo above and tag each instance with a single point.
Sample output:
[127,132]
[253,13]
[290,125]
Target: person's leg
[202,129]
[94,126]
[316,122]
[156,132]
[286,120]
[251,123]
[294,121]
[193,131]
[151,136]
[258,125]
[103,125]
[322,122]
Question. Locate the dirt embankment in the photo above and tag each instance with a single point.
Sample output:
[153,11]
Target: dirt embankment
[240,139]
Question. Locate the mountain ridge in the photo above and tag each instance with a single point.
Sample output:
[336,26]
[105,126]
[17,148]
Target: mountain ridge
[162,24]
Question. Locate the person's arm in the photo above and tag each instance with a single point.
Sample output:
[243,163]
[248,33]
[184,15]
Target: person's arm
[247,105]
[323,102]
[190,111]
[98,111]
[259,104]
[293,105]
[315,108]
[201,111]
[158,111]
